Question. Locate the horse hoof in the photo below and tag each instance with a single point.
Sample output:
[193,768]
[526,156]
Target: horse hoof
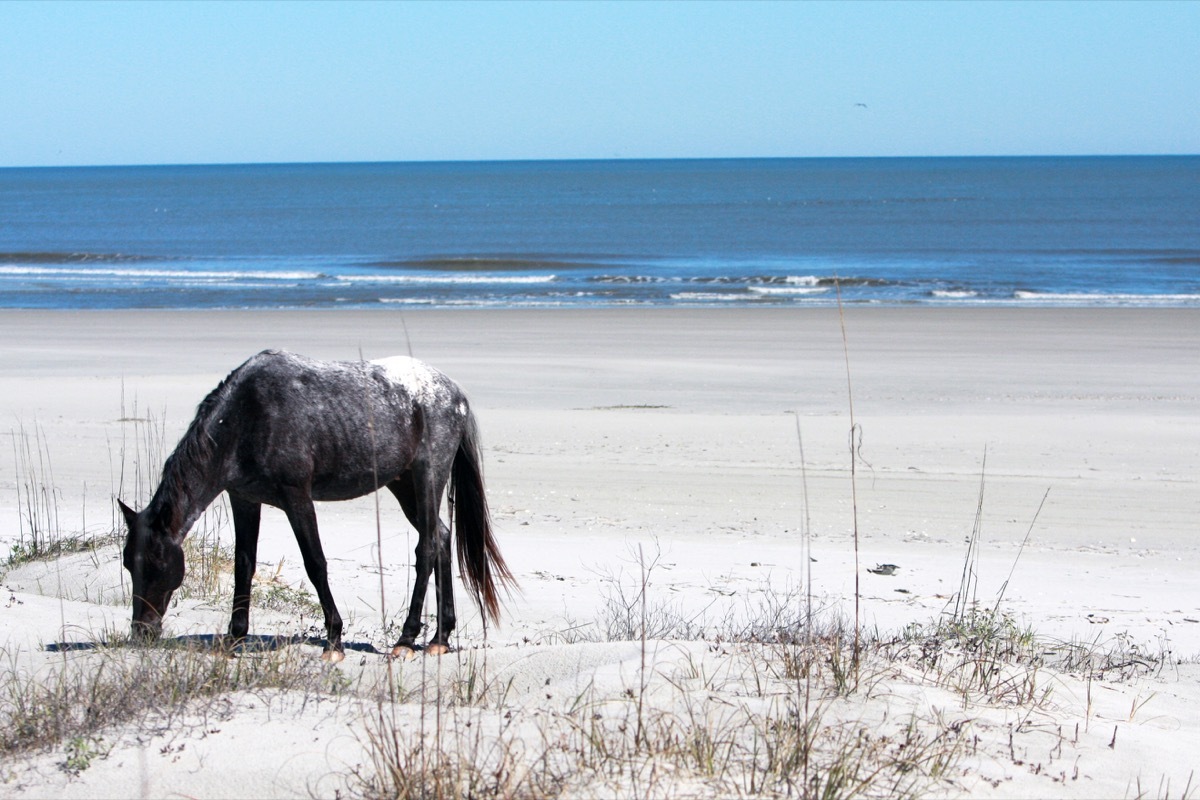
[402,652]
[437,650]
[333,656]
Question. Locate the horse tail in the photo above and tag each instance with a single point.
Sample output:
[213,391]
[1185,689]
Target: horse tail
[479,558]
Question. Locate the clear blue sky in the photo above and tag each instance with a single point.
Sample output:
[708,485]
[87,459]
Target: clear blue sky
[203,82]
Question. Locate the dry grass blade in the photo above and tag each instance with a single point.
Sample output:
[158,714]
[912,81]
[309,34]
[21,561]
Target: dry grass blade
[965,598]
[1020,550]
[855,445]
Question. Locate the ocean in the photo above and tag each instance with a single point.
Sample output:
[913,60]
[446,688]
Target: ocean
[1045,231]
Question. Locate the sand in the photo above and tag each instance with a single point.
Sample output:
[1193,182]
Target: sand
[674,432]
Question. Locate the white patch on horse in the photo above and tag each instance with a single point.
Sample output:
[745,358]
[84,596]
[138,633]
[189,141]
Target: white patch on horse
[422,381]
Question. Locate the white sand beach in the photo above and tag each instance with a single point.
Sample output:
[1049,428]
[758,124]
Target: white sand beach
[674,434]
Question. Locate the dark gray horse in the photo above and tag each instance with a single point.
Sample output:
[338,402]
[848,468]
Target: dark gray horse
[286,430]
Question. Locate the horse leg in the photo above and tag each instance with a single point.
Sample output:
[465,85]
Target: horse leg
[419,500]
[246,517]
[440,643]
[303,517]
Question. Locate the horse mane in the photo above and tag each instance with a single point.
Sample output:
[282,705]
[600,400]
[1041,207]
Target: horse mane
[184,469]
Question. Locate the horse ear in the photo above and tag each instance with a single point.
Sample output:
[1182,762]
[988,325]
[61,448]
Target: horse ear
[129,514]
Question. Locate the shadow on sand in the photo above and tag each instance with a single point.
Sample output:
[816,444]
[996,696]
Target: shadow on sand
[216,644]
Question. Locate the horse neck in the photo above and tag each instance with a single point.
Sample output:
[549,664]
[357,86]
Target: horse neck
[189,484]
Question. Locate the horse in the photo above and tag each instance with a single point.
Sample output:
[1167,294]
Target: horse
[285,430]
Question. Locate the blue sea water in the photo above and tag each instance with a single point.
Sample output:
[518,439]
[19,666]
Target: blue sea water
[792,232]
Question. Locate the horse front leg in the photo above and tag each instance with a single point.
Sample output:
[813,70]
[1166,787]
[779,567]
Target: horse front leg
[246,518]
[303,517]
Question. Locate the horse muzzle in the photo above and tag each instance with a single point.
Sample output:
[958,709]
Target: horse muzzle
[147,623]
[146,632]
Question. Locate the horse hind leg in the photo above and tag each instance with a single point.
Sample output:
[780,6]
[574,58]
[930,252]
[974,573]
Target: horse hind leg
[443,576]
[419,498]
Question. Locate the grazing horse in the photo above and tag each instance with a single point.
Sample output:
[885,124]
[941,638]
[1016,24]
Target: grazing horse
[286,430]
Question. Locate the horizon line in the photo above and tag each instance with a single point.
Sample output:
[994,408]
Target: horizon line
[580,160]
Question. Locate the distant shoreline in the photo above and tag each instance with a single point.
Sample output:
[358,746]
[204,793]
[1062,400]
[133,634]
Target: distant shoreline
[616,159]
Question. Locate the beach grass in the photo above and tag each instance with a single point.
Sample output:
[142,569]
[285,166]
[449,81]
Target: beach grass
[793,727]
[794,668]
[109,682]
[791,682]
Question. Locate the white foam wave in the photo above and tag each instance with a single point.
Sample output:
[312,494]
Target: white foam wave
[471,302]
[183,274]
[1096,298]
[239,285]
[632,279]
[708,297]
[789,290]
[408,301]
[954,294]
[449,279]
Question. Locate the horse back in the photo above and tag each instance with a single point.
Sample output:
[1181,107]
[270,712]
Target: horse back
[342,428]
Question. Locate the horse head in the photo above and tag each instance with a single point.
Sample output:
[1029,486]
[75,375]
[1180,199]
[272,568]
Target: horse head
[155,563]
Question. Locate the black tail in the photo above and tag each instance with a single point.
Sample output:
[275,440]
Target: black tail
[479,558]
